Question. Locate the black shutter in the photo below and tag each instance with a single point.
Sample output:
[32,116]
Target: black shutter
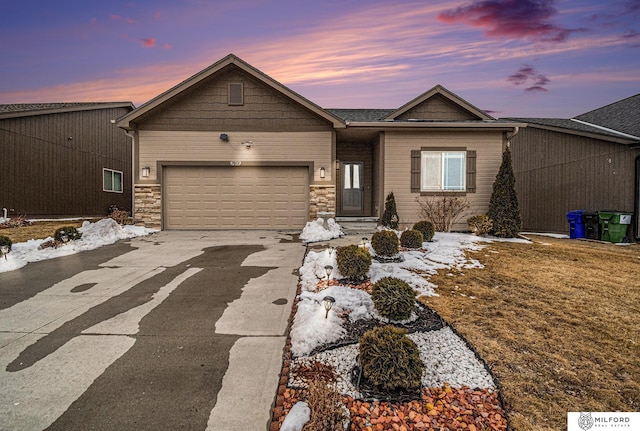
[415,171]
[471,171]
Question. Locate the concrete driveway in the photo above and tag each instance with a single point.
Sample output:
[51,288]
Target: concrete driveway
[174,331]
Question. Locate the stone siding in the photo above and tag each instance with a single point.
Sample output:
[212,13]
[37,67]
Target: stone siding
[148,206]
[322,199]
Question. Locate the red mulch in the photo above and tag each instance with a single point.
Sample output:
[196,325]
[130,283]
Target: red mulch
[439,409]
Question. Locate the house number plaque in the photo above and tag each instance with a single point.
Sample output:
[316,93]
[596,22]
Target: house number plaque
[235,163]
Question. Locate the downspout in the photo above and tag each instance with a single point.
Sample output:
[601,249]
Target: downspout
[516,130]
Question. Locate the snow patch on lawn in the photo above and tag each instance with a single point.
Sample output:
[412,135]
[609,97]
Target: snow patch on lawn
[94,235]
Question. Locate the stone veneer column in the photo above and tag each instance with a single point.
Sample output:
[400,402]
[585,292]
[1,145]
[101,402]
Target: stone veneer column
[148,206]
[322,199]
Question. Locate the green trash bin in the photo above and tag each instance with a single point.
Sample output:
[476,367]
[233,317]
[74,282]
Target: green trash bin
[614,225]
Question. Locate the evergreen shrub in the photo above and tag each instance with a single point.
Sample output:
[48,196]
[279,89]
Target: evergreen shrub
[504,209]
[480,224]
[385,243]
[390,217]
[393,298]
[70,231]
[426,228]
[390,360]
[5,240]
[353,262]
[411,239]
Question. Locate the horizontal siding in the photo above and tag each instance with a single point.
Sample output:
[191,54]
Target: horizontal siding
[206,146]
[397,168]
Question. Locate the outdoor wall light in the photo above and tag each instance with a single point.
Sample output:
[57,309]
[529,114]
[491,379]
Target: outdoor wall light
[146,171]
[248,144]
[328,302]
[224,137]
[4,251]
[322,173]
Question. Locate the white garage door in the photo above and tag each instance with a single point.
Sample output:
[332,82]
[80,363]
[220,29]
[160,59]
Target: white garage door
[243,197]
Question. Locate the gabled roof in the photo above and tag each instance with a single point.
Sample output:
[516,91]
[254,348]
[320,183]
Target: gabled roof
[622,116]
[125,121]
[29,109]
[439,89]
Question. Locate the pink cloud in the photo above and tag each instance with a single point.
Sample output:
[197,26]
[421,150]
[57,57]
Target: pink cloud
[511,18]
[148,43]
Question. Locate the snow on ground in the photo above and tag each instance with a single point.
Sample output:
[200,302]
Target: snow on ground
[446,356]
[94,235]
[319,230]
[310,328]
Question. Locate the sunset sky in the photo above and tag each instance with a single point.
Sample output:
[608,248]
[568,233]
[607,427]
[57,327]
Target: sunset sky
[530,58]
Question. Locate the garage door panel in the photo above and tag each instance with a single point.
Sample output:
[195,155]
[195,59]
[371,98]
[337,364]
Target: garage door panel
[198,197]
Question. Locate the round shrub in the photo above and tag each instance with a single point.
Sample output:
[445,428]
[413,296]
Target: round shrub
[426,228]
[385,243]
[480,224]
[390,360]
[411,238]
[5,240]
[393,298]
[353,262]
[71,233]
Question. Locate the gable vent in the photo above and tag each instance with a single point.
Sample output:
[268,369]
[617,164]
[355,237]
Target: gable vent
[236,93]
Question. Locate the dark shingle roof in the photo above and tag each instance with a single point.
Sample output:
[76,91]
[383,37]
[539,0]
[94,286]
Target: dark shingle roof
[361,115]
[623,116]
[565,123]
[26,109]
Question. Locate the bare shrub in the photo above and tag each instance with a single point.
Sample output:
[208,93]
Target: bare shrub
[327,409]
[443,210]
[480,224]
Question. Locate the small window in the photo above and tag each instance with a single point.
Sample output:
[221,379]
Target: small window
[236,93]
[111,181]
[442,171]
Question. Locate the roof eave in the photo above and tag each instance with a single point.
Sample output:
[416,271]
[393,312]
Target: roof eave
[608,138]
[394,125]
[105,105]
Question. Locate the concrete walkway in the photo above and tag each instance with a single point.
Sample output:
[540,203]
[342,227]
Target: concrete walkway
[178,330]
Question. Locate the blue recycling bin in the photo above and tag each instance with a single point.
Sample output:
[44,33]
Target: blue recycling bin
[576,224]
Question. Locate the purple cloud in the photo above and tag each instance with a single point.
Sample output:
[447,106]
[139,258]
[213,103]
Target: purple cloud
[511,18]
[527,75]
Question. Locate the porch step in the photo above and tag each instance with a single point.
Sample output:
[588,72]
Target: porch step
[358,225]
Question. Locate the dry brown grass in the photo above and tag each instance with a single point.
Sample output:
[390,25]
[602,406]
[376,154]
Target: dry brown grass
[558,321]
[38,230]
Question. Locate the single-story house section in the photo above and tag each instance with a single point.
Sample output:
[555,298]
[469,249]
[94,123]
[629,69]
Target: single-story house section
[230,147]
[590,162]
[64,159]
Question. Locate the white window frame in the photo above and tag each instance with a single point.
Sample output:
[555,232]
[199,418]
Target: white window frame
[441,177]
[113,172]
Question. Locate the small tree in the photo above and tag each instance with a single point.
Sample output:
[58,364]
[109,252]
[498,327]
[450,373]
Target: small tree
[390,216]
[504,210]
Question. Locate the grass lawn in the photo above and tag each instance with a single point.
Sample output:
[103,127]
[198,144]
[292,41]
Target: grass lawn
[38,230]
[557,320]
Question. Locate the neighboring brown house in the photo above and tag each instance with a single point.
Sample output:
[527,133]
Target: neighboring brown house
[231,147]
[590,162]
[64,159]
